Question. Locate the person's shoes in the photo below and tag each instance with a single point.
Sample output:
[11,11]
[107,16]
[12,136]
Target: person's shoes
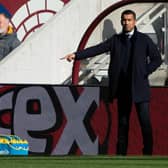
[147,151]
[121,149]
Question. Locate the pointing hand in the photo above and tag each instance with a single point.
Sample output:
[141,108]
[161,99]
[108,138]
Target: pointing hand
[69,57]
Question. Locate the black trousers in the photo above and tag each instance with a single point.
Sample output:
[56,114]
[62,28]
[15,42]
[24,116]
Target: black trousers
[124,110]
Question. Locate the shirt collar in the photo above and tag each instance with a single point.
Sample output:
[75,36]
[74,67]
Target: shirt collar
[130,34]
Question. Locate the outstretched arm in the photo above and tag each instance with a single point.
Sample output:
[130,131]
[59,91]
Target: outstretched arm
[90,52]
[94,50]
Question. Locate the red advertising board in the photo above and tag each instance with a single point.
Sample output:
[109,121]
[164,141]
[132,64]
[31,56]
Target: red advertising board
[62,120]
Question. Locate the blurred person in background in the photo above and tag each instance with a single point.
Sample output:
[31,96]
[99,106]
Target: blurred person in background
[8,38]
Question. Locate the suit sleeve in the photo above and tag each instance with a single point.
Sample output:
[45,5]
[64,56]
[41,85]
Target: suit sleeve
[94,50]
[154,57]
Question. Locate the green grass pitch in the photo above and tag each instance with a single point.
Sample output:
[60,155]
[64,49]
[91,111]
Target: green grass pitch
[83,162]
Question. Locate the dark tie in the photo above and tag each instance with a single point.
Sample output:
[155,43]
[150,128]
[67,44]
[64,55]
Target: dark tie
[127,53]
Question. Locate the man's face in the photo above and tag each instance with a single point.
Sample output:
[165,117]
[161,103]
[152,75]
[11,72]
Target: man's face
[128,22]
[4,23]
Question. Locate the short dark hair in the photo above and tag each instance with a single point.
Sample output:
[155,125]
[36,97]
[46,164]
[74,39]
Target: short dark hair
[128,12]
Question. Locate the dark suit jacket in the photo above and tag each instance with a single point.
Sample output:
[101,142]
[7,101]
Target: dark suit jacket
[145,59]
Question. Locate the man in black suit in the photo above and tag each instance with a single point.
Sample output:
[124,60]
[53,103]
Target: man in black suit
[133,56]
